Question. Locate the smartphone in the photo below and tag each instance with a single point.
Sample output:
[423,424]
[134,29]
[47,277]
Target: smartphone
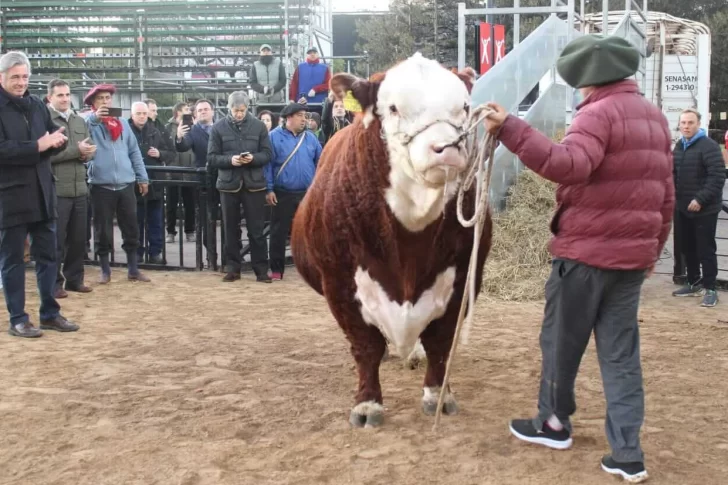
[244,154]
[187,120]
[115,112]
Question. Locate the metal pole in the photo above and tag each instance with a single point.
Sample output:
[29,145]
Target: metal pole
[605,14]
[582,12]
[461,36]
[516,24]
[570,20]
[435,41]
[491,44]
[285,45]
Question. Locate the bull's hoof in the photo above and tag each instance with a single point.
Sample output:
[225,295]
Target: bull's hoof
[367,414]
[430,399]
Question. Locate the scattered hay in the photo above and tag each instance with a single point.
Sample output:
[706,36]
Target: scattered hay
[519,261]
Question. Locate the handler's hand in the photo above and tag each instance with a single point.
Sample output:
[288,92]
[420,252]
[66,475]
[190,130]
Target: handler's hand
[143,188]
[495,120]
[694,206]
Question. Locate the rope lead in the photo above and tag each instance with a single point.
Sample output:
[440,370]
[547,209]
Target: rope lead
[479,171]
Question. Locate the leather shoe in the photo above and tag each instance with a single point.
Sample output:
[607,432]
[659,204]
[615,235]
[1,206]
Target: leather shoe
[25,329]
[141,277]
[79,288]
[231,276]
[104,279]
[264,279]
[60,324]
[59,293]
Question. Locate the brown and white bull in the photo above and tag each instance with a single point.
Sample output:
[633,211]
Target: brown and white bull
[377,233]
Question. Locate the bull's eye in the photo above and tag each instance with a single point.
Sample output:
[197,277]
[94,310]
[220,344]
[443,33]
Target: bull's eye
[393,109]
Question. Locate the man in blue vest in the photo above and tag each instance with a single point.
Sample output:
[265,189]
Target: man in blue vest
[310,82]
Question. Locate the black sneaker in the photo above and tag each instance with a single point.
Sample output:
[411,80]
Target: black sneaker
[524,430]
[633,472]
[689,290]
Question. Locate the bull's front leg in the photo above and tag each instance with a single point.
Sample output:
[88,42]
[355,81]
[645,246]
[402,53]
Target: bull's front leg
[368,347]
[437,339]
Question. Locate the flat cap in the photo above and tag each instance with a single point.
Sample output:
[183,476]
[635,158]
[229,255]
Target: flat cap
[99,88]
[595,60]
[291,109]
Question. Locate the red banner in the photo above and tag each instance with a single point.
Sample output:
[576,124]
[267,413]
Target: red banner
[485,39]
[491,37]
[499,37]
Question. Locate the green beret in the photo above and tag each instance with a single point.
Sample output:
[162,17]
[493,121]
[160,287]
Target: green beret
[593,60]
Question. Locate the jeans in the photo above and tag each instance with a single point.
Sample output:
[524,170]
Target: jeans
[12,267]
[151,214]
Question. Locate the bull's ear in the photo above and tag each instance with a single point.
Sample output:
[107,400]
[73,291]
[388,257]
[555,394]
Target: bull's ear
[365,92]
[467,76]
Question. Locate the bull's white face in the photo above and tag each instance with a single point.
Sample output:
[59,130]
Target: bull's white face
[423,108]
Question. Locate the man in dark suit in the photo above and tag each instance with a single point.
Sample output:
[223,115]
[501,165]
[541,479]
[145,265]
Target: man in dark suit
[197,139]
[28,138]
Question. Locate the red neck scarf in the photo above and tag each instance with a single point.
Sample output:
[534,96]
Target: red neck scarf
[113,125]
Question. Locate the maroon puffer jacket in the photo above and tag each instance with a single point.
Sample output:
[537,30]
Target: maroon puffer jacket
[616,195]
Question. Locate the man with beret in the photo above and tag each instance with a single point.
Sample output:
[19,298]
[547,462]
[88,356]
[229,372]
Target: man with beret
[296,152]
[615,203]
[116,168]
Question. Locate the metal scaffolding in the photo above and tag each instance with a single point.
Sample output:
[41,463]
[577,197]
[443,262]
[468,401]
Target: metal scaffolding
[160,45]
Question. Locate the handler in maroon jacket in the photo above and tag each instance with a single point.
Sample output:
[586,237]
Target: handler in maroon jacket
[614,210]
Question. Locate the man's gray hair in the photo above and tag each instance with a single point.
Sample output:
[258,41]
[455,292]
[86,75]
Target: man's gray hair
[12,59]
[238,98]
[137,103]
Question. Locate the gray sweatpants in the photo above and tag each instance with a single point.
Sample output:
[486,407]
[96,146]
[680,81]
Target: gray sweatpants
[581,299]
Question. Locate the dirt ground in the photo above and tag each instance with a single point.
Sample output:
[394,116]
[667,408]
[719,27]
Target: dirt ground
[191,381]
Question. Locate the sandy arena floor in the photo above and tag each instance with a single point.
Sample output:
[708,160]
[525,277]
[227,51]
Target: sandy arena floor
[190,381]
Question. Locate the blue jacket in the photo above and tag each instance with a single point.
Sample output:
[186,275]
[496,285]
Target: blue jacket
[298,173]
[697,136]
[115,163]
[310,76]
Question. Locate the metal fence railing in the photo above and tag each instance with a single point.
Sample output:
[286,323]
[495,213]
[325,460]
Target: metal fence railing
[208,249]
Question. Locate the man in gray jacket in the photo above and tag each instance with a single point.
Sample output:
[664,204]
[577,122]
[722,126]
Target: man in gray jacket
[70,172]
[239,148]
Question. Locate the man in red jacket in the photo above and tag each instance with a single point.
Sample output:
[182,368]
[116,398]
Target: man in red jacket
[615,203]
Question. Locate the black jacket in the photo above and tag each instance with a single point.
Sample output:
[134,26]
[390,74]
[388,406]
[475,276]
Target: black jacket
[699,174]
[328,125]
[147,138]
[198,140]
[227,140]
[27,185]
